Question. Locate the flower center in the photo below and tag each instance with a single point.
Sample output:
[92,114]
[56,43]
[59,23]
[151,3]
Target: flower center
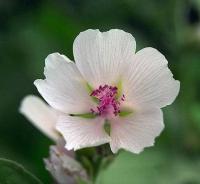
[108,101]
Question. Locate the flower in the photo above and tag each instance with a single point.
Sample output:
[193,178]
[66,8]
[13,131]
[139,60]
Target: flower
[61,162]
[110,94]
[63,167]
[41,115]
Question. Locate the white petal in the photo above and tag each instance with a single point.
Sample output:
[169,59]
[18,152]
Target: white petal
[135,132]
[41,115]
[63,88]
[81,132]
[100,57]
[149,81]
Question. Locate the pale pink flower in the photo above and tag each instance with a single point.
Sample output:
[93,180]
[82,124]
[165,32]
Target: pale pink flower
[110,94]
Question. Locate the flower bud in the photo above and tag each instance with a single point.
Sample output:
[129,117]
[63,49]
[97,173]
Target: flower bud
[63,166]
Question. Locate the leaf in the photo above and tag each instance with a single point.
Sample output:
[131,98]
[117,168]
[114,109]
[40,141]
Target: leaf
[150,167]
[14,173]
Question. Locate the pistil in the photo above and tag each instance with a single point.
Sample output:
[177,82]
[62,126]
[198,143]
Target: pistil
[108,103]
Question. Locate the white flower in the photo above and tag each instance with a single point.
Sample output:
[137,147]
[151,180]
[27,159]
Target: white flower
[110,94]
[41,115]
[61,163]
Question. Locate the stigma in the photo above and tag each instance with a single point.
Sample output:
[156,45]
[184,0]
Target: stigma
[108,101]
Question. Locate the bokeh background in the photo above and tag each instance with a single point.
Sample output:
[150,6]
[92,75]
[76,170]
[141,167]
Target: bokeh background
[32,29]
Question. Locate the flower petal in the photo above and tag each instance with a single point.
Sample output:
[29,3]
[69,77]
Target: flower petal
[82,132]
[41,115]
[149,81]
[63,87]
[63,167]
[137,131]
[100,57]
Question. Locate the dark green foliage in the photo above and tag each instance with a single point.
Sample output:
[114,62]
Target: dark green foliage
[13,173]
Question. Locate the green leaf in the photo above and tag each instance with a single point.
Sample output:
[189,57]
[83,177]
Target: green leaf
[129,168]
[150,167]
[14,173]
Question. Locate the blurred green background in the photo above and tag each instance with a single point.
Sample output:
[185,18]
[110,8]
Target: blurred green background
[32,29]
